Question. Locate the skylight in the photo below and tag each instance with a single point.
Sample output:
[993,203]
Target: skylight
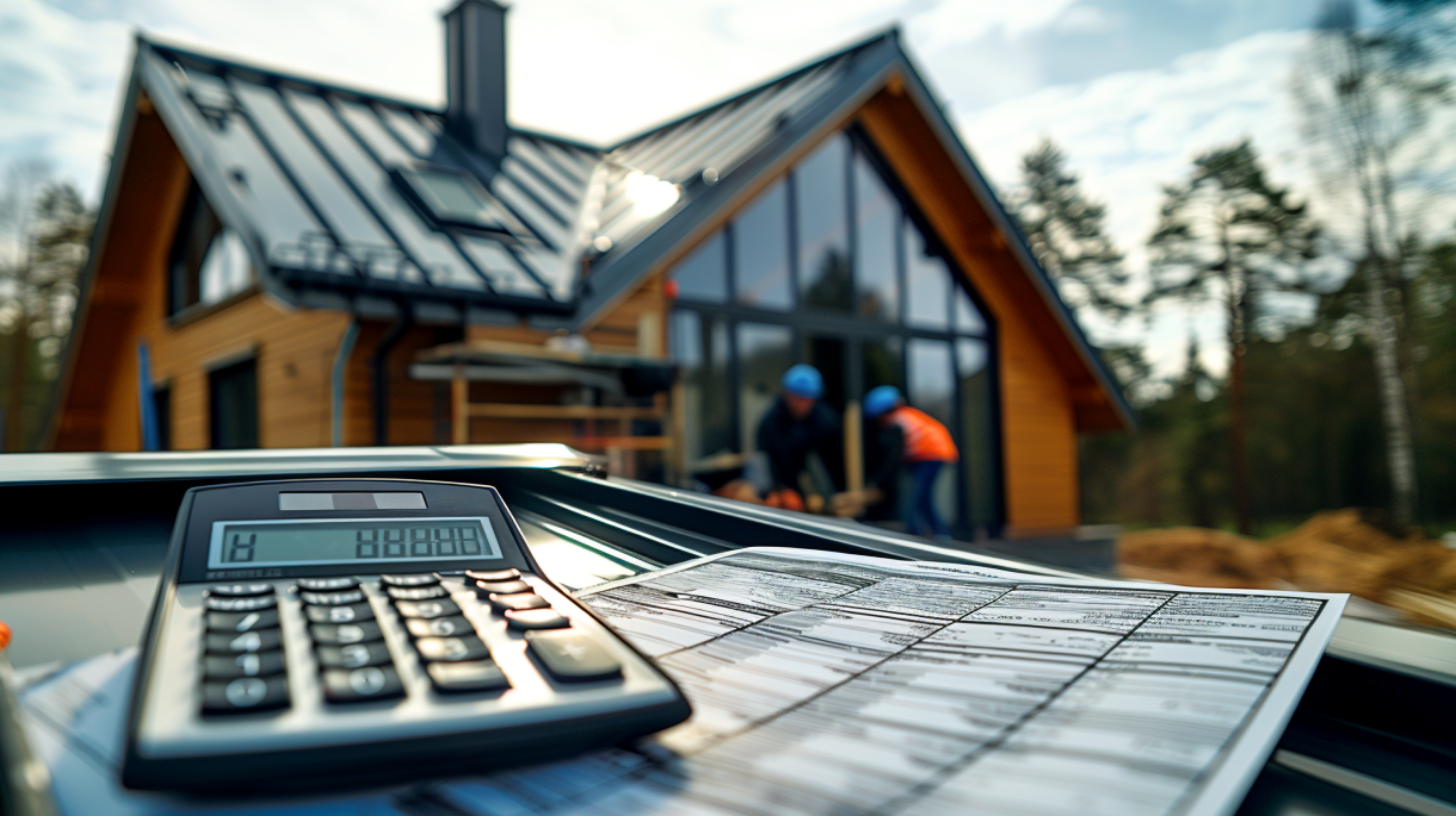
[451,198]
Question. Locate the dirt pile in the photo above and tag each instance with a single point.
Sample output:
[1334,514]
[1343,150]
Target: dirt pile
[1198,556]
[1356,551]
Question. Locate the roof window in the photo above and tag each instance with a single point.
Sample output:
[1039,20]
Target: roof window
[450,198]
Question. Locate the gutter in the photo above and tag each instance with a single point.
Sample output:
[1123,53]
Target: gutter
[379,364]
[341,361]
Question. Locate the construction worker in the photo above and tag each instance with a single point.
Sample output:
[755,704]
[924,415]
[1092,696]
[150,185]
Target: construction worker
[796,425]
[923,445]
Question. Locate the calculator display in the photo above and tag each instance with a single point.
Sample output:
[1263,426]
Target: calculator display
[323,541]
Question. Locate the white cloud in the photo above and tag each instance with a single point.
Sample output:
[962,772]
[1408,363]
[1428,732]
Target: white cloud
[1128,134]
[58,83]
[582,68]
[959,21]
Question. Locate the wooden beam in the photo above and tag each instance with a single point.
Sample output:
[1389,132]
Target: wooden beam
[460,408]
[853,447]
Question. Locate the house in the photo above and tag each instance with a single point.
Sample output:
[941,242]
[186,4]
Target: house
[285,263]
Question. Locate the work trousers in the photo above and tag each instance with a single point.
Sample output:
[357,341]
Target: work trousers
[923,518]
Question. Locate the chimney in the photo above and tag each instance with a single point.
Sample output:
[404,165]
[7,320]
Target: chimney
[475,75]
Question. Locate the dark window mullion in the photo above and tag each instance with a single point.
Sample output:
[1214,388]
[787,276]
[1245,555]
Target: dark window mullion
[791,212]
[730,263]
[901,276]
[851,233]
[735,378]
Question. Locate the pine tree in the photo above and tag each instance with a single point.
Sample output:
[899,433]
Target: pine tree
[44,231]
[1065,231]
[1227,235]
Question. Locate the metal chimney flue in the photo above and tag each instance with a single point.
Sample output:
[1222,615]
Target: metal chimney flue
[475,75]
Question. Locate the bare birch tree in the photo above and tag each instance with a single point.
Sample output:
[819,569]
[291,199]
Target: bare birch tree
[1364,97]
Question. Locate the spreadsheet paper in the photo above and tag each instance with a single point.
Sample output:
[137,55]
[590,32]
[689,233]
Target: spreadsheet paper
[827,683]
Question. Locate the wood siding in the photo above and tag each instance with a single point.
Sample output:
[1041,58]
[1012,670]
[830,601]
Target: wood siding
[127,305]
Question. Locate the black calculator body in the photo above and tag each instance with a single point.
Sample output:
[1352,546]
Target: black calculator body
[313,633]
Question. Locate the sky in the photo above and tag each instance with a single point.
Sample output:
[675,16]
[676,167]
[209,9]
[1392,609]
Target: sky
[1131,90]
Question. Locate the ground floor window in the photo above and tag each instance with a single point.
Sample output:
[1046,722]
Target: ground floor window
[834,265]
[233,396]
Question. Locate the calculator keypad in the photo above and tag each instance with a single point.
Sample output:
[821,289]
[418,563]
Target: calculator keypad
[354,662]
[244,667]
[242,663]
[444,639]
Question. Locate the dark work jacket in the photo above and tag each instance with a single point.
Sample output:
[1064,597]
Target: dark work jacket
[887,455]
[787,441]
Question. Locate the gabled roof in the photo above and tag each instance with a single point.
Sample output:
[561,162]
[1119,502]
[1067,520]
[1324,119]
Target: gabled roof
[302,169]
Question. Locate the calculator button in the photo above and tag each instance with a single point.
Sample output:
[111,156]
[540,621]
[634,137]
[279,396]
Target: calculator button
[494,575]
[245,694]
[475,675]
[353,613]
[354,655]
[242,621]
[573,657]
[222,604]
[417,580]
[484,588]
[345,633]
[423,593]
[519,600]
[263,640]
[427,609]
[327,584]
[536,619]
[227,667]
[348,596]
[361,685]
[439,627]
[239,590]
[452,649]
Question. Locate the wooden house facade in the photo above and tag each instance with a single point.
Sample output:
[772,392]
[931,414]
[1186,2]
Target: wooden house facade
[286,264]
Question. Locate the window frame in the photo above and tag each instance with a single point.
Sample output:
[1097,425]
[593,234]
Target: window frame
[183,275]
[855,329]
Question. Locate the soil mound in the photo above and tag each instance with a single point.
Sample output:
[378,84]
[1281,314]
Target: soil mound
[1361,552]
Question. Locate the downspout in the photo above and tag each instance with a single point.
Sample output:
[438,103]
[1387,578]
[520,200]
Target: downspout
[341,361]
[387,343]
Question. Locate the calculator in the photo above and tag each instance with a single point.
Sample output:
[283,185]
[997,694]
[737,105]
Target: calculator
[315,633]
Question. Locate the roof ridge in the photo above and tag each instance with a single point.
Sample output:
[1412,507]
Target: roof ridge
[165,48]
[887,33]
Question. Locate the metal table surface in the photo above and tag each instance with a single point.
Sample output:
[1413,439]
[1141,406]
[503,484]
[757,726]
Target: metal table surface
[83,538]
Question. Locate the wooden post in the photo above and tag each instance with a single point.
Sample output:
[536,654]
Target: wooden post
[853,447]
[460,407]
[677,432]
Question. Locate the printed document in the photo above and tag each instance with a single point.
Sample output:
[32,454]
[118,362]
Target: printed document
[824,683]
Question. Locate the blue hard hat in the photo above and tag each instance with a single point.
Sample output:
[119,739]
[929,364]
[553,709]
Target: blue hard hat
[804,380]
[881,399]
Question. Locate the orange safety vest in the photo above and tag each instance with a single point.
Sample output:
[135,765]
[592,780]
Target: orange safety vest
[925,439]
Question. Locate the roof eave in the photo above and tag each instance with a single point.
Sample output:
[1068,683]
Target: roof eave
[945,132]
